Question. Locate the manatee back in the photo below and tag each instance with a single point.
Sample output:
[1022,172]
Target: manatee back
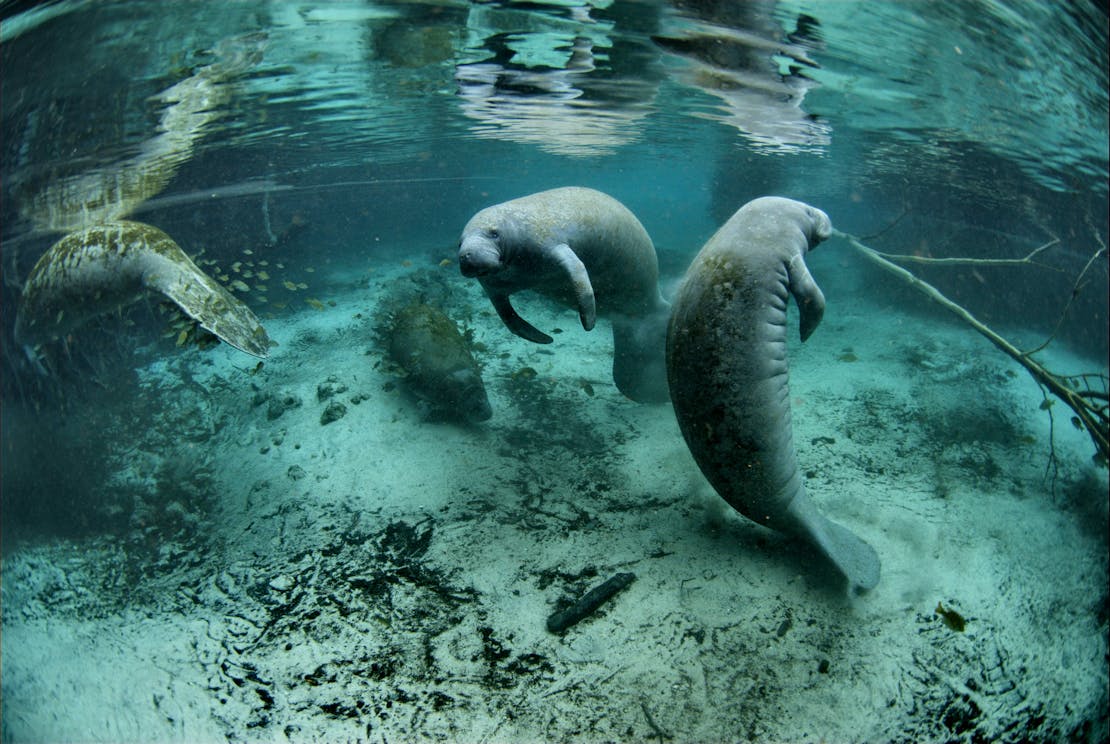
[85,274]
[605,235]
[439,367]
[727,372]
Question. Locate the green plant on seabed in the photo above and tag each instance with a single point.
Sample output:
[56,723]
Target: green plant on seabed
[1085,394]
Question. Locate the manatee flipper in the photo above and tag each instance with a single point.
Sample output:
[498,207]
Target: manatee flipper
[852,557]
[99,269]
[807,295]
[214,308]
[568,260]
[514,322]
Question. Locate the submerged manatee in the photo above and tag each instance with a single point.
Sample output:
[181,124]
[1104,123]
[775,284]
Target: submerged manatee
[726,361]
[440,370]
[586,250]
[99,269]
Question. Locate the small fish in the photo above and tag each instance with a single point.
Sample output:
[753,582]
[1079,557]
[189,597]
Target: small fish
[248,252]
[263,276]
[260,287]
[241,286]
[224,278]
[314,303]
[257,368]
[237,266]
[247,273]
[310,270]
[182,337]
[445,262]
[302,285]
[289,285]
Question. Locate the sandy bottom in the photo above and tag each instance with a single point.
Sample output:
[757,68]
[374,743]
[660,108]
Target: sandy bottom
[386,578]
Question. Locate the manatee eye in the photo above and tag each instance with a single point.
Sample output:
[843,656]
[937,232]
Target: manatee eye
[493,233]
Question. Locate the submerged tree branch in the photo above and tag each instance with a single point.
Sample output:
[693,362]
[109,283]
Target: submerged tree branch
[958,261]
[1078,392]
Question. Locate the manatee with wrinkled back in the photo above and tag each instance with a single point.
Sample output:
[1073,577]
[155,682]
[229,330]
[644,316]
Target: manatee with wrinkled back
[729,378]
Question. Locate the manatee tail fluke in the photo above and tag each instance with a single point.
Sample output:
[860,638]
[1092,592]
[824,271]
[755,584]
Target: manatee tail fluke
[852,557]
[216,310]
[640,355]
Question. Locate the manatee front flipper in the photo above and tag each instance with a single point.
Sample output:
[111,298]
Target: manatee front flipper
[852,557]
[568,260]
[807,295]
[213,307]
[514,322]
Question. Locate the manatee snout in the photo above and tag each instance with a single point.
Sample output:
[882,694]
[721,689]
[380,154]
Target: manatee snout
[478,255]
[470,396]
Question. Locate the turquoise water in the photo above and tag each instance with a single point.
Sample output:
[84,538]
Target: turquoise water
[321,160]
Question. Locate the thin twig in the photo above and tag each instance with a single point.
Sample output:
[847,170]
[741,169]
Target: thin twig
[1067,306]
[888,228]
[958,261]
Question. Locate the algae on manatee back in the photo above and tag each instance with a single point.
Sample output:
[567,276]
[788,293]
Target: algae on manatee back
[439,367]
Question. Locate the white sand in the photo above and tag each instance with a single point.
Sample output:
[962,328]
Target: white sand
[288,607]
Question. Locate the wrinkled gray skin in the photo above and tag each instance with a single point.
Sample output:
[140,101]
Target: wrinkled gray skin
[440,370]
[585,250]
[728,373]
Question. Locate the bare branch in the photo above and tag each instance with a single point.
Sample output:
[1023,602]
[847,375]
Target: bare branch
[1091,417]
[1027,259]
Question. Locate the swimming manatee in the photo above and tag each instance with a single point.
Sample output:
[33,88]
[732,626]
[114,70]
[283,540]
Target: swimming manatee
[728,373]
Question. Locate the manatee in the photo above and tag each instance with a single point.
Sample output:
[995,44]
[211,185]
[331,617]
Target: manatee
[587,251]
[99,269]
[728,373]
[439,369]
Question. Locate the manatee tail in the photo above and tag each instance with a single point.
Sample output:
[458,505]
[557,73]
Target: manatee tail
[852,557]
[640,355]
[214,308]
